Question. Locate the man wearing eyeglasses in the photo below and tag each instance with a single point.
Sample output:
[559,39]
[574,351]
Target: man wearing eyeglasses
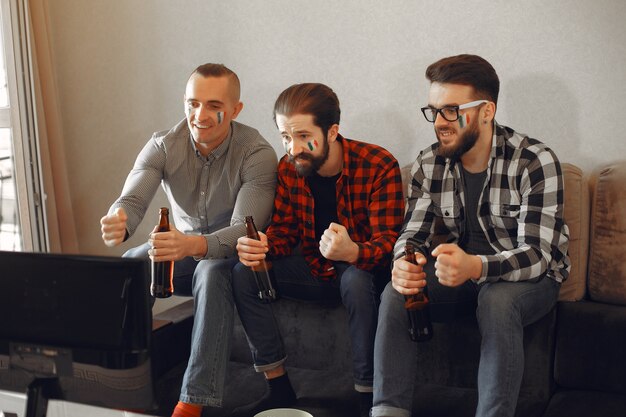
[500,195]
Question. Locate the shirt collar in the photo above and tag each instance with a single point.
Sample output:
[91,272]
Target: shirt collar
[498,142]
[217,152]
[345,169]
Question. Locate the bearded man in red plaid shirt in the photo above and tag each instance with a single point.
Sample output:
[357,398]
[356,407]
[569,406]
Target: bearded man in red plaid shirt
[337,212]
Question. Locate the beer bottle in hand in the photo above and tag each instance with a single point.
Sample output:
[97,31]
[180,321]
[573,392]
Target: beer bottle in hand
[162,283]
[261,272]
[420,327]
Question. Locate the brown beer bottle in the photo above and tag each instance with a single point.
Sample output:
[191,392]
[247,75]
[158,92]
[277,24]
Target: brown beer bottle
[261,272]
[420,327]
[162,283]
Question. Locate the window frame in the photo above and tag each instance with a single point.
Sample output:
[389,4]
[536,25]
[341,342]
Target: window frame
[20,116]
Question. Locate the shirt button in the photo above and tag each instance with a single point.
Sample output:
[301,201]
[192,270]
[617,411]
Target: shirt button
[201,192]
[446,213]
[202,217]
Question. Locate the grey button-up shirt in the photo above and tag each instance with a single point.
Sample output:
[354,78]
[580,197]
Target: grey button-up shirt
[208,196]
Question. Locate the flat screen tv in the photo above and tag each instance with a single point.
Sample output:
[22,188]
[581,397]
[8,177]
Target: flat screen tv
[75,328]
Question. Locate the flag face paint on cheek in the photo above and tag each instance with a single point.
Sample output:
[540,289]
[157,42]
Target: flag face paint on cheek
[312,144]
[286,146]
[464,120]
[220,117]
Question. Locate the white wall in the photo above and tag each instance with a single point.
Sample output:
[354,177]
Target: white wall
[122,67]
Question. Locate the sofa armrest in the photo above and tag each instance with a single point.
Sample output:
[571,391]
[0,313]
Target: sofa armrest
[590,346]
[576,214]
[607,269]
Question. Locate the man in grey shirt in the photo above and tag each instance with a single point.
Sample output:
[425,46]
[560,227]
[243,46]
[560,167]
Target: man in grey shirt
[214,171]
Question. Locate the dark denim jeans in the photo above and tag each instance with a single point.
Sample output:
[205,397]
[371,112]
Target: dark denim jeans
[209,281]
[355,288]
[502,309]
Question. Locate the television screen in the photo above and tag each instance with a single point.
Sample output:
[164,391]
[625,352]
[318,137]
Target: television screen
[76,328]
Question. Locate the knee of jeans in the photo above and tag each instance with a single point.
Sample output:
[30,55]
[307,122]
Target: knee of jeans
[137,252]
[211,276]
[391,313]
[242,279]
[356,282]
[495,306]
[391,298]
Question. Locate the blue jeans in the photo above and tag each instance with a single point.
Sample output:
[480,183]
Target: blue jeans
[502,309]
[209,282]
[293,279]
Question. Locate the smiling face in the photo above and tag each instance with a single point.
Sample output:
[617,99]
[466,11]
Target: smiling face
[454,140]
[210,105]
[304,142]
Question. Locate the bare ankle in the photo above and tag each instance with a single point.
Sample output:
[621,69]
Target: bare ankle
[275,373]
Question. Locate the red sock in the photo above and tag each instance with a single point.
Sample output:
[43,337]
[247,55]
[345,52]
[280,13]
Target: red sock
[187,410]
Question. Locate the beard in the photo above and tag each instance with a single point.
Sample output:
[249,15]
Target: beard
[311,163]
[465,142]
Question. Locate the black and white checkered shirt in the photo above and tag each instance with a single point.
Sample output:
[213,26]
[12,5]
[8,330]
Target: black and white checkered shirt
[520,209]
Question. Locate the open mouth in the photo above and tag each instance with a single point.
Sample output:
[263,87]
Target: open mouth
[445,133]
[198,126]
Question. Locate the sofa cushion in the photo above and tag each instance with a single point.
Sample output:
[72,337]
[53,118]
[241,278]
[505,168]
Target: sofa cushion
[446,401]
[590,347]
[445,373]
[585,404]
[576,214]
[607,269]
[316,335]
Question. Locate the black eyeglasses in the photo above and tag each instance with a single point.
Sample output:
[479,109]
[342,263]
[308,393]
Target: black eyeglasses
[449,113]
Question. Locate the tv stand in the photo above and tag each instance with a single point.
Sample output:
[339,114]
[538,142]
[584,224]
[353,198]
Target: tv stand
[38,393]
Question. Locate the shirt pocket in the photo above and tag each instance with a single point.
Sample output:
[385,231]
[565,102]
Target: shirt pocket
[190,225]
[504,219]
[450,215]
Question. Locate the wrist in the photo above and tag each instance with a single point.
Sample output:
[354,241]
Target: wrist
[199,246]
[355,253]
[477,267]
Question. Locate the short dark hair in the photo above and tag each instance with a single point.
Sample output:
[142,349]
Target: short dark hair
[315,99]
[220,70]
[466,69]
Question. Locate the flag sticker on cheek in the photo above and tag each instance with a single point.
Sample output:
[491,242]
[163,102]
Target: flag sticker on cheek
[312,144]
[464,120]
[220,117]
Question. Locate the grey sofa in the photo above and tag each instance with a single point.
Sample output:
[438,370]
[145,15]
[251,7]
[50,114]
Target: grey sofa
[575,357]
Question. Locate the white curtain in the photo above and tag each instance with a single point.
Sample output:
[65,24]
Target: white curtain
[59,211]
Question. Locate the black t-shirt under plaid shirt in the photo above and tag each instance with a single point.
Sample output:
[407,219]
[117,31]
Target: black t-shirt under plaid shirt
[520,208]
[325,201]
[473,239]
[370,206]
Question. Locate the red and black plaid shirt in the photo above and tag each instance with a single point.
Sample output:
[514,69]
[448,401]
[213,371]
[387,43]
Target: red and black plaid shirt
[370,206]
